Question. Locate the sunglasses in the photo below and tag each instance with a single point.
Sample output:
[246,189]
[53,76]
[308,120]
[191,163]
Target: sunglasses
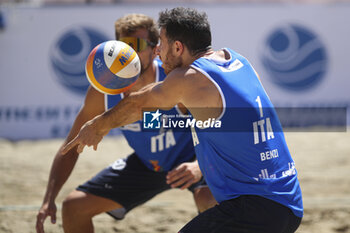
[138,44]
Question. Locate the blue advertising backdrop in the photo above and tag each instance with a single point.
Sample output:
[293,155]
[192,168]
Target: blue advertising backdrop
[300,52]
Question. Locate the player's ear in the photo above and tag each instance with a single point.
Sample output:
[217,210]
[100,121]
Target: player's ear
[155,51]
[178,47]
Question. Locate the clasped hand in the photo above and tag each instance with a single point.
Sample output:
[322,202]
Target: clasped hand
[184,175]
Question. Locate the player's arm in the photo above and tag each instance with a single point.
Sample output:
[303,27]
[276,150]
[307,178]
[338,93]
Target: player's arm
[162,95]
[62,166]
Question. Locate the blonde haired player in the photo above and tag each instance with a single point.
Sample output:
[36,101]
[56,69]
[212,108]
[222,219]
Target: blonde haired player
[148,171]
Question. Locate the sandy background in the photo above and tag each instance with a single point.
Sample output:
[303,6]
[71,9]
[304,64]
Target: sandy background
[322,160]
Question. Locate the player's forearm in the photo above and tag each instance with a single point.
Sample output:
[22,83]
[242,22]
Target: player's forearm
[61,169]
[62,166]
[130,108]
[125,112]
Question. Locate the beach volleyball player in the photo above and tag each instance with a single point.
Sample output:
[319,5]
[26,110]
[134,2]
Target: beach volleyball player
[257,189]
[134,180]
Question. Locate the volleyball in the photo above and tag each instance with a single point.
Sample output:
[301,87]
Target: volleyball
[112,67]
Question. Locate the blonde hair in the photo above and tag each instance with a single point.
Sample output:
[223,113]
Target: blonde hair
[128,24]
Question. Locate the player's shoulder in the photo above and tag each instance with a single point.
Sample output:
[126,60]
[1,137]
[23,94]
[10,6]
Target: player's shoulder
[185,78]
[185,73]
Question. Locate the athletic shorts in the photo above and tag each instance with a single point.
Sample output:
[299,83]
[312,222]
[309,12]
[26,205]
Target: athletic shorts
[130,183]
[245,214]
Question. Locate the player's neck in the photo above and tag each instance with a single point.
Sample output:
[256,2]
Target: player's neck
[149,75]
[220,55]
[189,59]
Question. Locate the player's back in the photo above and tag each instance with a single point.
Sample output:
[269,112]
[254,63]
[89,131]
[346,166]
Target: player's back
[248,155]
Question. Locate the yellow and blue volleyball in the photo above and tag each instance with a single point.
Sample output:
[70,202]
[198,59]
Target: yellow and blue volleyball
[112,67]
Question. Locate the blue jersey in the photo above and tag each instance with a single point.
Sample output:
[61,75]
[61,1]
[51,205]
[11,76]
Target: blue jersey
[250,155]
[159,150]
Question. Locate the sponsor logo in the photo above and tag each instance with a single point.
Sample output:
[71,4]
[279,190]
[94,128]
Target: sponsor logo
[156,167]
[264,174]
[157,120]
[110,53]
[151,120]
[68,56]
[294,57]
[236,65]
[118,164]
[125,56]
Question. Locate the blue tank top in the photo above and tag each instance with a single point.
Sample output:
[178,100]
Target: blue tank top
[159,150]
[250,155]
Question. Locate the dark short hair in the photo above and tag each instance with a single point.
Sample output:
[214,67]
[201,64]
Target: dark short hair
[188,26]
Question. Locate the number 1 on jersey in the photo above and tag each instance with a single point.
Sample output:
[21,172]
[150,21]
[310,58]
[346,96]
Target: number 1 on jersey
[266,132]
[260,106]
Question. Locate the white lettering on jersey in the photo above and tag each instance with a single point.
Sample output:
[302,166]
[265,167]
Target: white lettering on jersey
[194,137]
[169,139]
[265,175]
[270,154]
[157,142]
[268,133]
[135,127]
[291,171]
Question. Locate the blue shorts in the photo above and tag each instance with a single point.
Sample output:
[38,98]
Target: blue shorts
[130,183]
